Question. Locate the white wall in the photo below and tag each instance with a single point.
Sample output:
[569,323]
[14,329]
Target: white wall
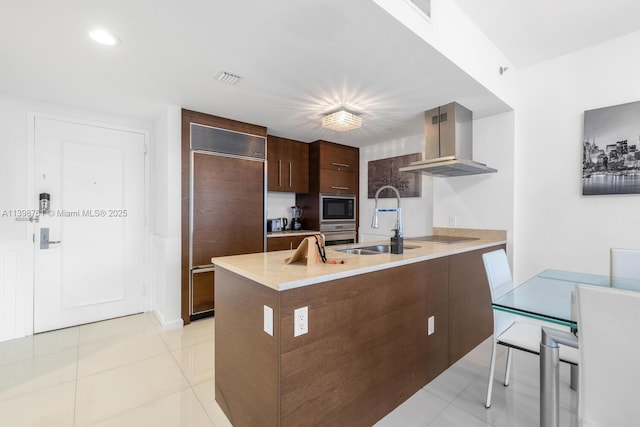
[279,205]
[166,217]
[482,201]
[557,227]
[454,35]
[16,247]
[416,211]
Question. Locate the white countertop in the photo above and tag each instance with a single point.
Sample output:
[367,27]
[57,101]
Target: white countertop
[288,233]
[269,269]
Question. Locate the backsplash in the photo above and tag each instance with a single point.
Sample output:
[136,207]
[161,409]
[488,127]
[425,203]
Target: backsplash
[279,205]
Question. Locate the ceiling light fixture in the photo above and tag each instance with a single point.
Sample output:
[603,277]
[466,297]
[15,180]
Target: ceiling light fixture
[341,121]
[104,37]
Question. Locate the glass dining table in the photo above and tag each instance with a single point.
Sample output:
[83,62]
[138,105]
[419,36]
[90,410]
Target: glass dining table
[549,296]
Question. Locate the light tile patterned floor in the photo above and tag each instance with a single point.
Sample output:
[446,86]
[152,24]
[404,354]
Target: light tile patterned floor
[129,372]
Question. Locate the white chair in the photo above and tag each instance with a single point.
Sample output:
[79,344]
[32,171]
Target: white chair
[609,342]
[625,268]
[506,330]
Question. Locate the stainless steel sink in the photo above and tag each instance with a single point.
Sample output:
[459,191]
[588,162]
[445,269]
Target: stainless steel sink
[372,249]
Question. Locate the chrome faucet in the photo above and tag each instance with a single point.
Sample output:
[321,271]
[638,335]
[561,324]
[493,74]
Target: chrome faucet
[374,220]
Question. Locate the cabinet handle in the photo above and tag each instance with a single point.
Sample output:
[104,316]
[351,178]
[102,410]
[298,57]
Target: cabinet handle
[279,173]
[290,245]
[339,188]
[290,168]
[339,164]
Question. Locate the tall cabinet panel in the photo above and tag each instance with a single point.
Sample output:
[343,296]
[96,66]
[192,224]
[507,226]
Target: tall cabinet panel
[223,201]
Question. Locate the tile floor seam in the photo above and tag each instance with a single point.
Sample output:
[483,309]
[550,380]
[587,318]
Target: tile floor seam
[122,366]
[202,404]
[186,378]
[480,403]
[439,413]
[133,408]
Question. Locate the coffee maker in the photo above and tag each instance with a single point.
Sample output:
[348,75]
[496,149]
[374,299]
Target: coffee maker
[296,215]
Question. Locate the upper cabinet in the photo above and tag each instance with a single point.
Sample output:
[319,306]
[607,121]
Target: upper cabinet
[334,168]
[337,157]
[287,165]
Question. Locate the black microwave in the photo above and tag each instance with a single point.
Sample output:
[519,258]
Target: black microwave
[337,208]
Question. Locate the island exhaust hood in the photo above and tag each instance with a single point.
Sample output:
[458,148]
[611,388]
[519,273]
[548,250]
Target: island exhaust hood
[448,139]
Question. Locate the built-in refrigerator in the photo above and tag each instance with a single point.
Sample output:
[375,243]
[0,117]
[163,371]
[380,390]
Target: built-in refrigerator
[227,205]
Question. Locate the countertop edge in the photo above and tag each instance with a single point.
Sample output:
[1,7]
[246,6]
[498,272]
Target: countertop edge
[287,285]
[289,233]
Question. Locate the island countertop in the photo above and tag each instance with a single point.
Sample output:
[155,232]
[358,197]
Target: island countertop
[269,269]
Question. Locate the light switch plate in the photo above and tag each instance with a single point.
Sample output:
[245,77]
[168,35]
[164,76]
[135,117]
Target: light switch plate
[268,320]
[431,325]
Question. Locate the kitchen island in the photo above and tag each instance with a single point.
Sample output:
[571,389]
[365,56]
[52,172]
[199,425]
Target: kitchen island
[367,348]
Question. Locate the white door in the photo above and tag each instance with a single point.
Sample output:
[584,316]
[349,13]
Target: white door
[92,268]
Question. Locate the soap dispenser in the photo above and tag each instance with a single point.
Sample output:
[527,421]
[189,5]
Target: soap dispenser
[397,246]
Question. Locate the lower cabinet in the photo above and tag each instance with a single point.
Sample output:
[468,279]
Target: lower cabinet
[470,314]
[202,292]
[285,242]
[367,348]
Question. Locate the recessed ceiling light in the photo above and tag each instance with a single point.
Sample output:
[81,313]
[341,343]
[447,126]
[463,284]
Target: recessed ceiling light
[104,37]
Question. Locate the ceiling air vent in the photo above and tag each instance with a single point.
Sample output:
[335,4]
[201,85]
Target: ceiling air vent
[227,77]
[422,6]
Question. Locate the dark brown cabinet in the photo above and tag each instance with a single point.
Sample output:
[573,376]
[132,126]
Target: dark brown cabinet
[202,284]
[333,169]
[287,165]
[336,167]
[337,157]
[222,201]
[367,349]
[470,314]
[285,242]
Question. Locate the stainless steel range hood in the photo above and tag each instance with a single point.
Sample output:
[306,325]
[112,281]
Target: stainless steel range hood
[448,139]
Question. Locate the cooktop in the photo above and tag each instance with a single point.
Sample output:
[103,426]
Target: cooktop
[443,239]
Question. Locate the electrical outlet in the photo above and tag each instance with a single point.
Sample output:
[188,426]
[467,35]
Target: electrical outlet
[431,325]
[300,321]
[452,221]
[268,320]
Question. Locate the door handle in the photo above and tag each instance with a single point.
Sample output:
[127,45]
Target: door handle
[35,218]
[44,238]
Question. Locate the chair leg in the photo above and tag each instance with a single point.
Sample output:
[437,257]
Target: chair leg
[491,373]
[507,373]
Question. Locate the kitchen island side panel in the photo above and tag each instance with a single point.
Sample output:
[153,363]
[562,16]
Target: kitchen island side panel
[470,313]
[246,357]
[367,349]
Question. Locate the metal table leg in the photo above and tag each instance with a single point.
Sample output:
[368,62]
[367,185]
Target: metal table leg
[549,374]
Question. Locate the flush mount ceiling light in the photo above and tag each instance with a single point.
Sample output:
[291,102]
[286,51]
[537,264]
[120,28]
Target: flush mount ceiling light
[104,37]
[341,121]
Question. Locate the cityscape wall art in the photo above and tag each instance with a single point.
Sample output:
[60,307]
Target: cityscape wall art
[610,156]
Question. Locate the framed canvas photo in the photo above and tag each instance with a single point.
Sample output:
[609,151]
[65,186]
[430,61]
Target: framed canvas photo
[385,172]
[610,156]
